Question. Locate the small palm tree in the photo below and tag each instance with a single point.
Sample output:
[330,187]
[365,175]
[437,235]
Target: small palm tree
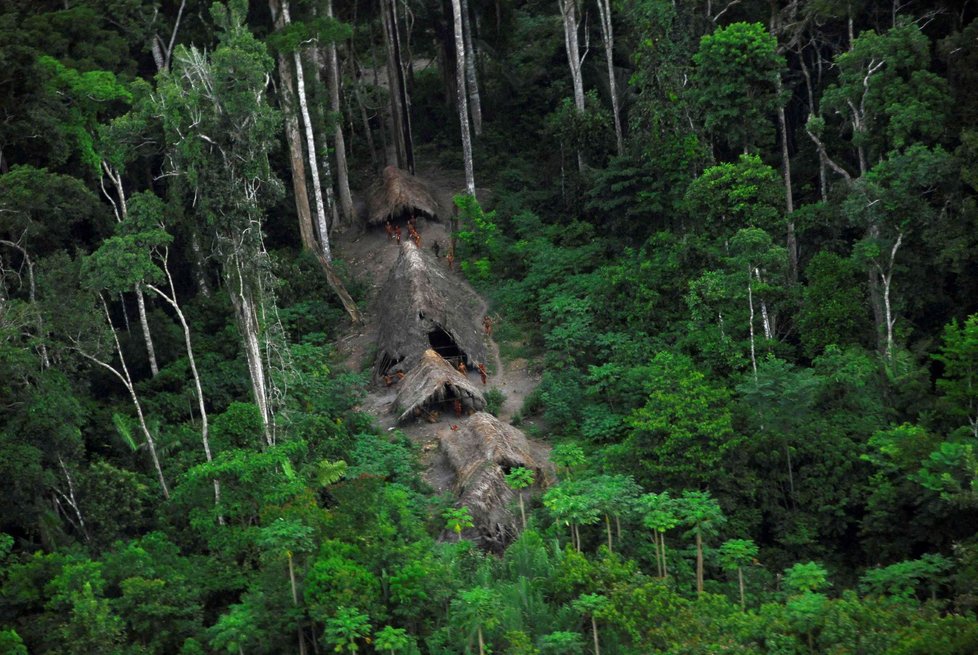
[393,640]
[458,519]
[346,628]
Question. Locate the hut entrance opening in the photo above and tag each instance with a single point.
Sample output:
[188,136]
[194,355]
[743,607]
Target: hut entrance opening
[443,344]
[401,218]
[387,363]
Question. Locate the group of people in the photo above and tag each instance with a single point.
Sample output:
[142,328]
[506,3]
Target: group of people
[394,231]
[463,369]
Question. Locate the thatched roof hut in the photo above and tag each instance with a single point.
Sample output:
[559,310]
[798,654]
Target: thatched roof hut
[421,307]
[434,385]
[481,453]
[397,193]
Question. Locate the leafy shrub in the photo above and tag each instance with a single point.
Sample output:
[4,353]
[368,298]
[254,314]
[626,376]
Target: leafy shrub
[494,400]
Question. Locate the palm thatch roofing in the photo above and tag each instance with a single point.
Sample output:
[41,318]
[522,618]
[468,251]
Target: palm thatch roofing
[481,453]
[398,192]
[422,306]
[434,384]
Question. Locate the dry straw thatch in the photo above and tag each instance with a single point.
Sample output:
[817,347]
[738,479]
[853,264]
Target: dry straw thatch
[398,192]
[434,385]
[420,307]
[481,453]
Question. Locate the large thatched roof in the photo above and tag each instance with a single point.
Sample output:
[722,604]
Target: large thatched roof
[423,306]
[434,385]
[481,453]
[397,192]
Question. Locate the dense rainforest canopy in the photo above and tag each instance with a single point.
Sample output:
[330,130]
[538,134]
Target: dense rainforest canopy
[735,240]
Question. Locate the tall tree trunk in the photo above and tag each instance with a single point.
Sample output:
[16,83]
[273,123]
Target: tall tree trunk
[471,79]
[322,226]
[405,71]
[699,562]
[147,337]
[750,304]
[121,208]
[295,603]
[607,526]
[171,299]
[662,544]
[463,111]
[740,579]
[302,206]
[886,277]
[594,631]
[789,195]
[342,169]
[400,112]
[244,305]
[199,268]
[568,12]
[608,37]
[126,380]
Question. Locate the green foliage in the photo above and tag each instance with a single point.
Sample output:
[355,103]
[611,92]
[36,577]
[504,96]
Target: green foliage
[520,478]
[959,381]
[392,640]
[805,578]
[903,579]
[736,74]
[685,421]
[737,553]
[457,519]
[346,629]
[494,400]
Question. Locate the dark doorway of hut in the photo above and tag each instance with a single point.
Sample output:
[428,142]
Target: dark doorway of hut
[387,364]
[401,219]
[443,344]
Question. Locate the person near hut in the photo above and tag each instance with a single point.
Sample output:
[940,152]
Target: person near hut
[462,368]
[390,230]
[482,372]
[458,408]
[487,324]
[451,261]
[397,233]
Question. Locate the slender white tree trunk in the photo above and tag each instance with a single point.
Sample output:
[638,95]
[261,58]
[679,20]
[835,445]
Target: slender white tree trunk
[71,499]
[471,79]
[463,111]
[342,168]
[568,11]
[608,37]
[171,299]
[244,305]
[750,303]
[317,191]
[144,323]
[887,279]
[766,320]
[792,242]
[121,209]
[126,380]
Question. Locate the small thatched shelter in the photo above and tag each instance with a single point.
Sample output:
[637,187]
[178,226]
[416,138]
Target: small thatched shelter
[434,385]
[397,194]
[481,453]
[421,307]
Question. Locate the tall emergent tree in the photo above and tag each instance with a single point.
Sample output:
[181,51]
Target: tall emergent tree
[219,129]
